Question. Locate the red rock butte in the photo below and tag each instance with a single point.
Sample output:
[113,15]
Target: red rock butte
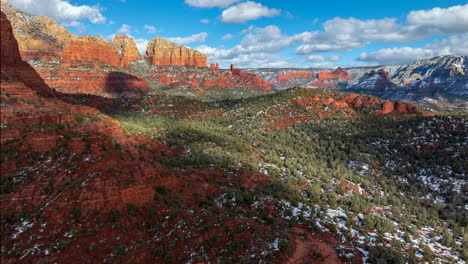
[284,78]
[161,52]
[336,74]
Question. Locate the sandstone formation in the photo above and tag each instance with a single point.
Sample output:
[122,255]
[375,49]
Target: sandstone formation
[161,52]
[127,49]
[90,49]
[214,67]
[386,106]
[284,78]
[14,68]
[205,77]
[330,79]
[332,75]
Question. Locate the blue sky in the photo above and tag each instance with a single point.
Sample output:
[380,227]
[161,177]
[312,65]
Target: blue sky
[274,33]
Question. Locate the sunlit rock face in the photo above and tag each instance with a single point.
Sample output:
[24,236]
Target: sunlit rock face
[164,53]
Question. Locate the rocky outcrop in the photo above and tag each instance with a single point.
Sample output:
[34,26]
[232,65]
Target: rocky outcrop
[330,79]
[244,79]
[127,49]
[204,78]
[386,106]
[90,49]
[333,75]
[214,67]
[161,52]
[287,77]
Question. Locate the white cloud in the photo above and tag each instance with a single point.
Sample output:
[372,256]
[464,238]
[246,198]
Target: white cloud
[450,20]
[210,3]
[455,45]
[200,37]
[267,39]
[60,10]
[246,11]
[341,34]
[315,58]
[334,58]
[227,37]
[125,29]
[245,59]
[150,29]
[256,48]
[204,21]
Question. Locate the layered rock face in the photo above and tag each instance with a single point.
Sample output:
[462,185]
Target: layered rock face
[14,68]
[333,75]
[127,49]
[161,52]
[330,79]
[90,49]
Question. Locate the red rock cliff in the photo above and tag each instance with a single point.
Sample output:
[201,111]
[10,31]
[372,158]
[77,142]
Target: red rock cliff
[91,49]
[164,53]
[12,66]
[336,74]
[283,78]
[127,49]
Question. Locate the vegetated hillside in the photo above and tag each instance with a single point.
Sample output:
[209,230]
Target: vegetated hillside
[304,175]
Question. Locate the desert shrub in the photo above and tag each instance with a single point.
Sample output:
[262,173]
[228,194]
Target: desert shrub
[381,255]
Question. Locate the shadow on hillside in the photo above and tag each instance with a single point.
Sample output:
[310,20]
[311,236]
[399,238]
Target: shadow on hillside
[123,84]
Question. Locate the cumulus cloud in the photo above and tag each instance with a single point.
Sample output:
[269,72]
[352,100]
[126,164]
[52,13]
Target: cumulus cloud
[267,39]
[245,59]
[341,34]
[315,58]
[150,29]
[255,48]
[60,10]
[200,37]
[210,3]
[227,37]
[450,20]
[455,45]
[125,29]
[246,11]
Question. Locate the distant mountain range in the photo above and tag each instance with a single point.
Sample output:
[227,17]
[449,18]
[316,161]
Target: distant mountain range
[441,81]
